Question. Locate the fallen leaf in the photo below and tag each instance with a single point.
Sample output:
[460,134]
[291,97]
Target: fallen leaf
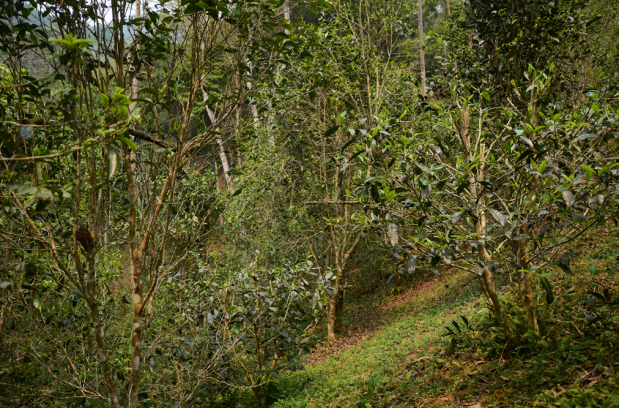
[504,378]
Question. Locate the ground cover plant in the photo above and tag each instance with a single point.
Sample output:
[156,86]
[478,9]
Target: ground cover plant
[438,348]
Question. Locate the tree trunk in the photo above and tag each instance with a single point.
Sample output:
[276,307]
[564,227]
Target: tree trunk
[525,280]
[445,45]
[218,139]
[486,279]
[253,107]
[333,306]
[136,288]
[90,297]
[134,86]
[421,35]
[287,13]
[220,144]
[341,263]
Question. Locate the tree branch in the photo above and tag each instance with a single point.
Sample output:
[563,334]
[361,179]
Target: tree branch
[148,138]
[329,202]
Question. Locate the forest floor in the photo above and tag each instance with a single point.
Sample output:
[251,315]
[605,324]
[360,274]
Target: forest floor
[394,351]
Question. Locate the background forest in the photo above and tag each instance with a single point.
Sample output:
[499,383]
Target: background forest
[207,203]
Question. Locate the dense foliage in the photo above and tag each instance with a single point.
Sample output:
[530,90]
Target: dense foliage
[193,191]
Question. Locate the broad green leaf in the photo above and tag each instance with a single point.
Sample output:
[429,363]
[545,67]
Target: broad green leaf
[548,291]
[44,194]
[331,131]
[592,268]
[151,91]
[127,141]
[542,166]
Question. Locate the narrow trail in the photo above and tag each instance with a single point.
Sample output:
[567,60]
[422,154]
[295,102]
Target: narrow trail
[385,338]
[367,317]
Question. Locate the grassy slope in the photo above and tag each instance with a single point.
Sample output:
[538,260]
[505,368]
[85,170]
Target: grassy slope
[405,361]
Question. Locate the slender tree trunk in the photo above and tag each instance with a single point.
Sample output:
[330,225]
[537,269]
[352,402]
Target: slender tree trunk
[333,306]
[136,290]
[253,107]
[341,263]
[287,13]
[421,35]
[134,83]
[91,298]
[523,264]
[445,45]
[220,144]
[218,139]
[486,278]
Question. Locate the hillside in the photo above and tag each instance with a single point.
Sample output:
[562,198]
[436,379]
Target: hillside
[309,203]
[398,355]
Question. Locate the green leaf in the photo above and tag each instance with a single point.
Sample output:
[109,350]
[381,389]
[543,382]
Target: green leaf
[374,191]
[347,144]
[331,131]
[456,325]
[441,184]
[486,96]
[592,268]
[151,91]
[548,291]
[542,166]
[461,187]
[5,285]
[127,141]
[37,304]
[26,189]
[325,4]
[589,172]
[44,194]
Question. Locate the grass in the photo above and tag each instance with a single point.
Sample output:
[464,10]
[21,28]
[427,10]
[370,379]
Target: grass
[399,356]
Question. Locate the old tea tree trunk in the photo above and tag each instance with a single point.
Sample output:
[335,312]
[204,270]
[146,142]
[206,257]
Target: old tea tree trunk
[485,275]
[342,259]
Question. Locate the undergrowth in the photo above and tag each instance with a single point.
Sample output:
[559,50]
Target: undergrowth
[441,348]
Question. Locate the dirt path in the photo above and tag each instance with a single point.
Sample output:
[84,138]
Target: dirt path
[367,315]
